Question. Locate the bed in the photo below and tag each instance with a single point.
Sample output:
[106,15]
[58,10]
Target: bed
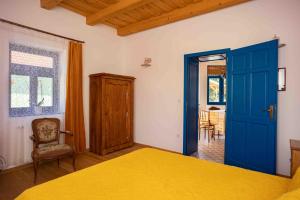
[154,174]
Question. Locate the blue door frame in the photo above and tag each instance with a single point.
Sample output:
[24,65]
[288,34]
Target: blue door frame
[187,58]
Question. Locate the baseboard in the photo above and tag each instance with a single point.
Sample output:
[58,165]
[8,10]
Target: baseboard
[146,145]
[284,176]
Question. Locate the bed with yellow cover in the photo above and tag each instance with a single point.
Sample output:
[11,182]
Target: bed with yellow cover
[153,174]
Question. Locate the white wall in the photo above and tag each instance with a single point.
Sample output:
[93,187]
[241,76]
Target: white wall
[159,89]
[15,145]
[101,50]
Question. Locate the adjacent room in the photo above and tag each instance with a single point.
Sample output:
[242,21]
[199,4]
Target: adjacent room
[149,99]
[212,108]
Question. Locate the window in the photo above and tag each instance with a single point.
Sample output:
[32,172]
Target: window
[33,81]
[216,90]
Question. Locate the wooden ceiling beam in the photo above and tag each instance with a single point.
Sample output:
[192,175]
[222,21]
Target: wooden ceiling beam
[110,10]
[49,4]
[188,11]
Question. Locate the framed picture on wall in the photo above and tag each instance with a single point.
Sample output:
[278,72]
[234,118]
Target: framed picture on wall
[281,79]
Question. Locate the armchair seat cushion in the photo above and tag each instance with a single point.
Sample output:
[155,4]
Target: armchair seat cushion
[52,150]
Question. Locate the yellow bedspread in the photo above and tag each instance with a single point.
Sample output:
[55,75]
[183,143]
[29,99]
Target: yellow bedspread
[153,174]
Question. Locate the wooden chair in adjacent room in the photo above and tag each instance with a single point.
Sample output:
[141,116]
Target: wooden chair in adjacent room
[214,119]
[46,146]
[218,118]
[205,124]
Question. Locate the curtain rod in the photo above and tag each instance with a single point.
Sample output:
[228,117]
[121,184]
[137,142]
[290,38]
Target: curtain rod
[39,30]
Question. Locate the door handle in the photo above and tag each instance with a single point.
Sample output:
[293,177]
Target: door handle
[270,110]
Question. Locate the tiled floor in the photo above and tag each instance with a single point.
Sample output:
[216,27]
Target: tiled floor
[213,151]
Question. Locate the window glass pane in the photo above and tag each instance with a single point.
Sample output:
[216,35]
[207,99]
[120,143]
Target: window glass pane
[225,92]
[20,91]
[22,58]
[213,92]
[45,91]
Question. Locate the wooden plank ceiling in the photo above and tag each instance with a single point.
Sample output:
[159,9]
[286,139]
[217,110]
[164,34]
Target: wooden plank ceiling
[132,16]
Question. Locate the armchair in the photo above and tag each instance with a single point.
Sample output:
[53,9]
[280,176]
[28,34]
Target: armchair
[46,146]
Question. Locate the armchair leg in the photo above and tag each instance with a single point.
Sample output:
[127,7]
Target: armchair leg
[35,167]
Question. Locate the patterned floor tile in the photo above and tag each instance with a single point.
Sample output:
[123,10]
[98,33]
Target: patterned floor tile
[213,150]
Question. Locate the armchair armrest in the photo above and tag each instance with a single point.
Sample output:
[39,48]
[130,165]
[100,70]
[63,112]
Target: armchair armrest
[32,138]
[35,144]
[72,138]
[66,133]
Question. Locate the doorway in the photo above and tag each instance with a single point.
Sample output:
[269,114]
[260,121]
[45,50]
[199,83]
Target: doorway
[212,108]
[251,104]
[211,104]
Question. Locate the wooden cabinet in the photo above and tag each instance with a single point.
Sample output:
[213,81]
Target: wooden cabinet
[111,112]
[295,155]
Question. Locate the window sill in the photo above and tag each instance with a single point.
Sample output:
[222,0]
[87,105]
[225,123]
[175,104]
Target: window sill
[37,115]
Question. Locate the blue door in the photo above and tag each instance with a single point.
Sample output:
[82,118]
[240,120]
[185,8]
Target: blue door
[191,105]
[251,107]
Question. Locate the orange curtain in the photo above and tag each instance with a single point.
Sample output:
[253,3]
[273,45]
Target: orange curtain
[74,119]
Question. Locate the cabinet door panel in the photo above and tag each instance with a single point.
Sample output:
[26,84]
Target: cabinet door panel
[116,108]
